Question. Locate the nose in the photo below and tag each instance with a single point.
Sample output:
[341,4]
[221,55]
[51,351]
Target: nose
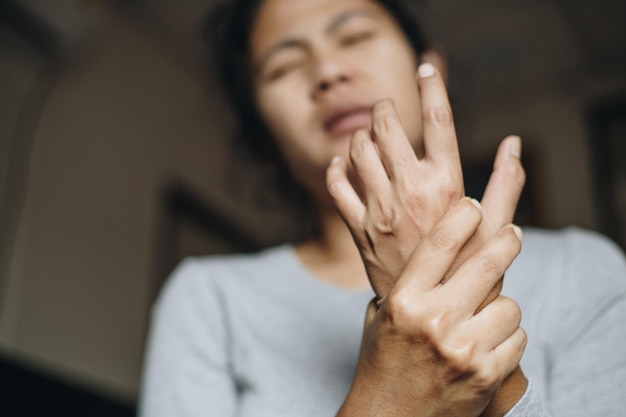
[329,73]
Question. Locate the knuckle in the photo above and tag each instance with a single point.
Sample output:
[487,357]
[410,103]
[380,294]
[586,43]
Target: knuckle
[514,242]
[517,173]
[430,326]
[385,125]
[358,147]
[459,357]
[486,378]
[513,312]
[387,217]
[449,189]
[472,210]
[444,239]
[489,265]
[438,115]
[333,172]
[334,188]
[434,329]
[416,203]
[383,229]
[384,105]
[399,308]
[523,338]
[412,195]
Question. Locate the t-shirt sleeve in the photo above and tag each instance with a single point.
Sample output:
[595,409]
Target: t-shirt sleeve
[186,369]
[579,278]
[588,364]
[529,405]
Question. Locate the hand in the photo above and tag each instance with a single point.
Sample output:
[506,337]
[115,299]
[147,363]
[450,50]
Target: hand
[402,196]
[425,352]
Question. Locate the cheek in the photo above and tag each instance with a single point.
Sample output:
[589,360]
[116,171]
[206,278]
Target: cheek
[404,90]
[410,112]
[287,120]
[271,107]
[280,114]
[395,78]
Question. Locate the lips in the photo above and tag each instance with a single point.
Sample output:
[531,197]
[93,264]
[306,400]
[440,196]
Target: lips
[347,120]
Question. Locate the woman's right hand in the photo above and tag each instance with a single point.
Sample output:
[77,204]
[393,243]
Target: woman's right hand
[425,349]
[389,198]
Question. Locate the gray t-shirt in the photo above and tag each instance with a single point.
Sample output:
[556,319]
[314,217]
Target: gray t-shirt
[258,335]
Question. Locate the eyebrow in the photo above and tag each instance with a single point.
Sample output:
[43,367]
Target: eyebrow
[333,27]
[338,21]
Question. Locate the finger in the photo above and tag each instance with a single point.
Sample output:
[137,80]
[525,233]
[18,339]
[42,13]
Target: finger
[493,294]
[343,194]
[501,318]
[505,184]
[440,142]
[395,149]
[369,169]
[474,280]
[435,253]
[508,354]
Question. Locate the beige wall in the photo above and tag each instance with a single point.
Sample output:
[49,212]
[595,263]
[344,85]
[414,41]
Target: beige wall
[119,124]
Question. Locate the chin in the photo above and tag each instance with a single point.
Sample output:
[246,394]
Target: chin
[341,145]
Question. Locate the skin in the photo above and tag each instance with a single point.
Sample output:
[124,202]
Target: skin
[439,339]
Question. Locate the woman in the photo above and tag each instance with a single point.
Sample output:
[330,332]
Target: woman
[280,332]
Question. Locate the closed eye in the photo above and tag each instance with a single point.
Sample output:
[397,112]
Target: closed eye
[283,70]
[356,38]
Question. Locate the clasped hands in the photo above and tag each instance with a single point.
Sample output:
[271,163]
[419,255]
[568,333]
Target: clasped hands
[439,339]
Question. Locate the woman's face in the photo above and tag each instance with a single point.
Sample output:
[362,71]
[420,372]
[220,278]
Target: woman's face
[318,66]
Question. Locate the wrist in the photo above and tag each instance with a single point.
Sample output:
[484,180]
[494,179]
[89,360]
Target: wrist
[511,391]
[361,401]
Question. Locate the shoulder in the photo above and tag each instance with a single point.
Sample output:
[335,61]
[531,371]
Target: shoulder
[569,274]
[571,252]
[569,241]
[563,267]
[204,278]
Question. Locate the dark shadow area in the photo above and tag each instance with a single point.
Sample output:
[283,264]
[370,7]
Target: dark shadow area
[34,393]
[607,143]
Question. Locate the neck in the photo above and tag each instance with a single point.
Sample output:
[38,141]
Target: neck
[332,255]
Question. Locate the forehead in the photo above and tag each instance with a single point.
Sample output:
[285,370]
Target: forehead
[279,19]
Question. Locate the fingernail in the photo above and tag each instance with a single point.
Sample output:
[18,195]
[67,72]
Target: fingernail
[426,70]
[515,146]
[335,159]
[475,203]
[518,232]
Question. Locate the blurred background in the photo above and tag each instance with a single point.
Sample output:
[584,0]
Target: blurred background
[116,161]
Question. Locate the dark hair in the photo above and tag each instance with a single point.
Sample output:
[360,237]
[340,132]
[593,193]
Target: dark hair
[227,32]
